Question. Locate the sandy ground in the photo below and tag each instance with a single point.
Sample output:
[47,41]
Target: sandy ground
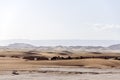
[65,74]
[75,69]
[20,64]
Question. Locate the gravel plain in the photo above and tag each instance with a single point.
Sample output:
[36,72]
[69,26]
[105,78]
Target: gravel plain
[64,74]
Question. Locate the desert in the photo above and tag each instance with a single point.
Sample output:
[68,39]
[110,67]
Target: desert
[59,39]
[58,64]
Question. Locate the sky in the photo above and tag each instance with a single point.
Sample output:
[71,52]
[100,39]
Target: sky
[60,19]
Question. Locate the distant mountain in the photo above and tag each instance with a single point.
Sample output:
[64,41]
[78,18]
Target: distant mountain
[104,43]
[20,46]
[115,47]
[61,45]
[29,46]
[87,47]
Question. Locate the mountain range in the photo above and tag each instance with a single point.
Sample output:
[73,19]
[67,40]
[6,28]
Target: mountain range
[29,46]
[104,43]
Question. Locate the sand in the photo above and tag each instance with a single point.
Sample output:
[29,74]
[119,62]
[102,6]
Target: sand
[74,69]
[65,74]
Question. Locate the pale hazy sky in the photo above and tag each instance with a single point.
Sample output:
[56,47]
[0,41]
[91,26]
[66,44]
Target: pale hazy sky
[60,19]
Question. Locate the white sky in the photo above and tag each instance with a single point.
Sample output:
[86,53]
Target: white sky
[60,19]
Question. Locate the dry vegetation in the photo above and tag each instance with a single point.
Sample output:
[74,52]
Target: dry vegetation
[13,60]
